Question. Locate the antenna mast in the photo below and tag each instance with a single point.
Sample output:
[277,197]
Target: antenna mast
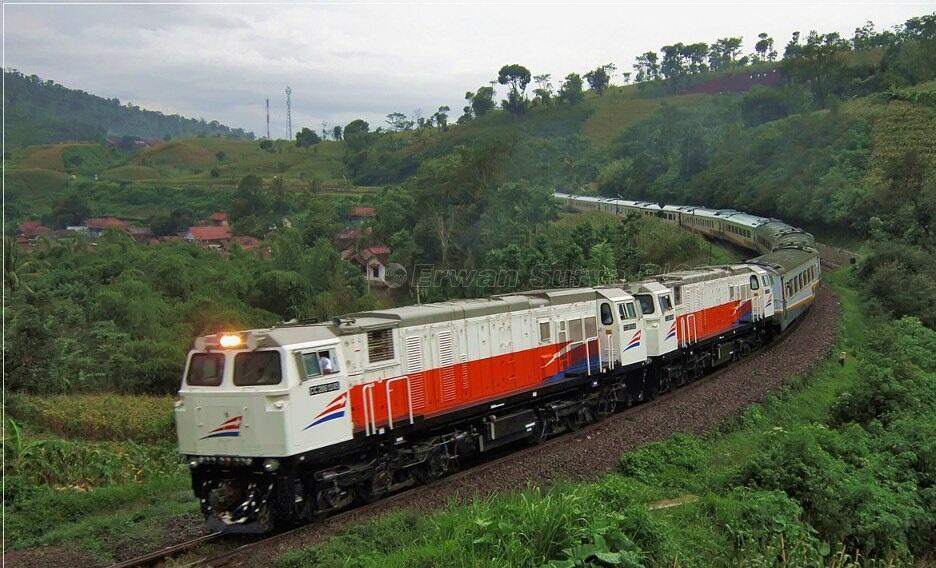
[289,112]
[268,117]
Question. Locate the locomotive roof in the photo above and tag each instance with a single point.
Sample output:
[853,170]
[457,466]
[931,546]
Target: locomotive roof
[786,259]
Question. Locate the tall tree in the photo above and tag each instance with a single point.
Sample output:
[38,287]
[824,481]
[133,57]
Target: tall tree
[307,137]
[647,67]
[543,93]
[571,90]
[398,121]
[764,47]
[336,132]
[600,77]
[356,127]
[481,102]
[517,77]
[441,117]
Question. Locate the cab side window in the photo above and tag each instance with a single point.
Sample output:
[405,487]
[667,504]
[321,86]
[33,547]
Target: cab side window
[319,363]
[607,316]
[646,303]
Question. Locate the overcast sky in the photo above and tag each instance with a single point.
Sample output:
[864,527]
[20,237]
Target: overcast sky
[345,61]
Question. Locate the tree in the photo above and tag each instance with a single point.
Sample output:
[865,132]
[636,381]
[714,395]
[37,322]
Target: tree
[817,63]
[221,156]
[71,210]
[723,52]
[307,137]
[336,132]
[764,48]
[398,121]
[647,67]
[600,77]
[249,199]
[672,66]
[543,94]
[571,90]
[481,102]
[356,127]
[278,192]
[517,77]
[266,144]
[441,117]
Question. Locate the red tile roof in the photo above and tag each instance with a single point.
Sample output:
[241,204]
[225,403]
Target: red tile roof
[33,229]
[102,223]
[210,233]
[218,216]
[376,250]
[363,212]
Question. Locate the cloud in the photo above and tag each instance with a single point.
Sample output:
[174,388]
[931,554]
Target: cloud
[354,60]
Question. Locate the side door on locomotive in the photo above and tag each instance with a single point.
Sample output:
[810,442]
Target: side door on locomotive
[658,315]
[762,295]
[620,332]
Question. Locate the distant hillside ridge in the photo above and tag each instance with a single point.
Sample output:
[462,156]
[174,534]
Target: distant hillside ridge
[41,112]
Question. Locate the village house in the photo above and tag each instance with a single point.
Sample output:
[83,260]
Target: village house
[218,219]
[97,225]
[210,237]
[373,260]
[32,230]
[361,214]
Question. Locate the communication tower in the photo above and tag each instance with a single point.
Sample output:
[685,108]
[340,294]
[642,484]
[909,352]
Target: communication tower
[289,112]
[268,117]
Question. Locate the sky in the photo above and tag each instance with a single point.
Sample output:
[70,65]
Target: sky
[220,61]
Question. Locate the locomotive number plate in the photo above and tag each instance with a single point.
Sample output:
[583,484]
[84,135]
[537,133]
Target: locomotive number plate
[327,387]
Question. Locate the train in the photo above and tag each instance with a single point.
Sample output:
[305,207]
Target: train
[285,424]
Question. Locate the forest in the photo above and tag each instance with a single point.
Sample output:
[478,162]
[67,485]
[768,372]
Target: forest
[41,111]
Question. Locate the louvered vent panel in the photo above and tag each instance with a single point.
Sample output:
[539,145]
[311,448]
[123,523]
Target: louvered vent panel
[447,365]
[464,373]
[414,368]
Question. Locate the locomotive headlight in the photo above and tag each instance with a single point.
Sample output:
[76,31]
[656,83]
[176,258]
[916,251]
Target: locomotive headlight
[230,341]
[270,465]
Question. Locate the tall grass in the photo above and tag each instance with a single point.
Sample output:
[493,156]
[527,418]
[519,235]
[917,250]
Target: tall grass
[105,417]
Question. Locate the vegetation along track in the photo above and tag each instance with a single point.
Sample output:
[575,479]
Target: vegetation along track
[581,455]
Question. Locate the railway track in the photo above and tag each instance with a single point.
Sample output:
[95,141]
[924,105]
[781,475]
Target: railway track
[230,557]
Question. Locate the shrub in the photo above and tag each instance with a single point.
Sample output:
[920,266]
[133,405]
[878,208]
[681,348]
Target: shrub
[671,459]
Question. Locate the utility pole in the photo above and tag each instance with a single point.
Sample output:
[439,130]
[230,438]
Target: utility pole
[289,112]
[268,117]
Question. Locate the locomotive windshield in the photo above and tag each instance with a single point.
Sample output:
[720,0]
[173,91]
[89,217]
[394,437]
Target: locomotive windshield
[257,368]
[206,370]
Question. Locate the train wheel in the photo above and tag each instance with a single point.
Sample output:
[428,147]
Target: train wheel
[435,466]
[333,497]
[376,487]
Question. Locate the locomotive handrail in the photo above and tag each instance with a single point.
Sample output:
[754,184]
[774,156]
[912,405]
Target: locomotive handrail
[370,418]
[409,399]
[586,341]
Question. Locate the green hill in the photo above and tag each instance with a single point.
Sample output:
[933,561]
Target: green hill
[40,111]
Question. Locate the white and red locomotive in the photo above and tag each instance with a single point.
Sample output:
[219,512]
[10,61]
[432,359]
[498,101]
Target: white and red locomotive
[284,423]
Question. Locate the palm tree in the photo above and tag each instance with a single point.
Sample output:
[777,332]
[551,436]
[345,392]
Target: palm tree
[15,268]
